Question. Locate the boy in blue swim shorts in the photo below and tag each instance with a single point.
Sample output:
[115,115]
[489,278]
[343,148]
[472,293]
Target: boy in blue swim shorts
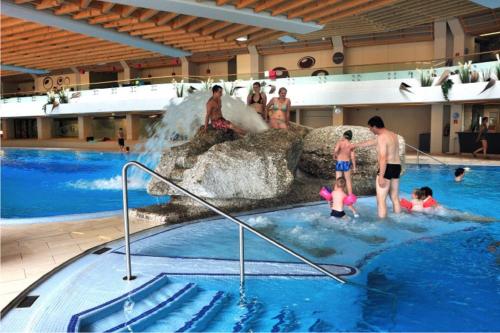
[345,158]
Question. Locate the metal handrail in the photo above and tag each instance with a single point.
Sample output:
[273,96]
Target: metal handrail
[425,154]
[242,226]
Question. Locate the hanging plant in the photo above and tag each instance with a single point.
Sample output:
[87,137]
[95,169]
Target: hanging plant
[446,87]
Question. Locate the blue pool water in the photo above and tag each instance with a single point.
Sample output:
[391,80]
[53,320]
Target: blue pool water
[40,183]
[416,272]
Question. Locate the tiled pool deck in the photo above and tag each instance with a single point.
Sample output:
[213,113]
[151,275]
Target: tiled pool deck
[30,251]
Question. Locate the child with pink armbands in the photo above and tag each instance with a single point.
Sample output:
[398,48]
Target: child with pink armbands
[338,198]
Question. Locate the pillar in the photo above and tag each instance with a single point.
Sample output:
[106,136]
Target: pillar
[188,70]
[338,46]
[44,127]
[458,40]
[440,39]
[78,79]
[84,127]
[437,128]
[7,127]
[338,117]
[456,125]
[251,65]
[36,83]
[297,116]
[126,72]
[132,126]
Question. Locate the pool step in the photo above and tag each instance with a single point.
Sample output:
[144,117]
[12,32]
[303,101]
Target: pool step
[285,321]
[155,297]
[320,325]
[252,309]
[193,316]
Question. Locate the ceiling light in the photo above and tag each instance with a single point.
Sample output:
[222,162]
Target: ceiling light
[490,33]
[242,38]
[287,39]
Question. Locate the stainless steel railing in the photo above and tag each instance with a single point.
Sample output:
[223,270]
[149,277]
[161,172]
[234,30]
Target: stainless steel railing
[242,226]
[425,154]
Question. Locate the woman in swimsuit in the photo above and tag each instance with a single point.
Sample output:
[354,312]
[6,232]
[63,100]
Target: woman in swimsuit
[257,100]
[279,110]
[482,137]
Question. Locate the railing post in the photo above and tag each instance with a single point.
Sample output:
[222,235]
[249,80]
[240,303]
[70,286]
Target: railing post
[418,158]
[242,257]
[129,275]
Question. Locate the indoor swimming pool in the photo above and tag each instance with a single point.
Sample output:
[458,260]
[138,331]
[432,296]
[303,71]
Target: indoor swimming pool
[411,272]
[38,183]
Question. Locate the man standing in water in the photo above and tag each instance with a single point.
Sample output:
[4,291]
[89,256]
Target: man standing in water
[214,113]
[389,165]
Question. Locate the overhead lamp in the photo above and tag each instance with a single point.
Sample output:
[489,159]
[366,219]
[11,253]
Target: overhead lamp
[287,39]
[242,38]
[490,33]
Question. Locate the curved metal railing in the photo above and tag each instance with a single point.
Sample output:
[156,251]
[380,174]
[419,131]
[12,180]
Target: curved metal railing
[242,226]
[425,154]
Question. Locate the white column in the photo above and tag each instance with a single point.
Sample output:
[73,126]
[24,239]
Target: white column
[297,116]
[132,126]
[256,63]
[456,125]
[84,127]
[44,127]
[338,117]
[437,128]
[188,69]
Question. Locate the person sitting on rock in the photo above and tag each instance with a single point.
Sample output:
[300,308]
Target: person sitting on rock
[214,113]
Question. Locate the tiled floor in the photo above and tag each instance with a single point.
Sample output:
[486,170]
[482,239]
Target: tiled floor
[29,251]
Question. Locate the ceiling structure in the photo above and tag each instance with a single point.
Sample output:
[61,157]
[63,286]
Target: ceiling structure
[55,34]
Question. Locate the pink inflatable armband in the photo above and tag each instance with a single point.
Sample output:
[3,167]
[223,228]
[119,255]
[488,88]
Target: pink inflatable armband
[350,200]
[325,194]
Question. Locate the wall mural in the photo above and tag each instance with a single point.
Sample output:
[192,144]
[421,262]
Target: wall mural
[281,72]
[319,72]
[50,82]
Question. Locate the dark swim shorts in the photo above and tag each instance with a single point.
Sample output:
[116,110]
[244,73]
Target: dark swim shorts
[392,171]
[337,214]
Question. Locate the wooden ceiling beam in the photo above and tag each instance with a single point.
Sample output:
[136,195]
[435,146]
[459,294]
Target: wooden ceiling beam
[215,27]
[358,10]
[167,34]
[33,37]
[245,3]
[85,3]
[334,10]
[230,30]
[222,2]
[150,31]
[106,7]
[182,21]
[147,14]
[317,5]
[266,4]
[187,37]
[247,32]
[198,24]
[46,4]
[6,23]
[18,29]
[165,18]
[122,22]
[20,2]
[87,13]
[37,43]
[67,9]
[256,38]
[104,18]
[74,54]
[127,11]
[292,5]
[137,26]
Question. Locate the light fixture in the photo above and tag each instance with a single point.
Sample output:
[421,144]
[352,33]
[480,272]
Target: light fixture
[242,39]
[490,33]
[287,39]
[337,109]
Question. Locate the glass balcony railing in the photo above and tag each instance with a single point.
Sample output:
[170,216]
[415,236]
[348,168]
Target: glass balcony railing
[386,71]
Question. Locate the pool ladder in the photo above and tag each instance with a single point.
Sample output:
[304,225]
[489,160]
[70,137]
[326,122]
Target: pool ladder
[242,226]
[425,154]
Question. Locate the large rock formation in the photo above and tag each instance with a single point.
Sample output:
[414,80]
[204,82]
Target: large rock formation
[263,170]
[256,167]
[317,156]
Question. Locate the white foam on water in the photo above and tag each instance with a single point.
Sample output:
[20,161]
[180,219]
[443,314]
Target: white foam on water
[114,183]
[261,222]
[181,120]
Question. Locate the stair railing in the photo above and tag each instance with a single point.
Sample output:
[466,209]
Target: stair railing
[425,154]
[242,226]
